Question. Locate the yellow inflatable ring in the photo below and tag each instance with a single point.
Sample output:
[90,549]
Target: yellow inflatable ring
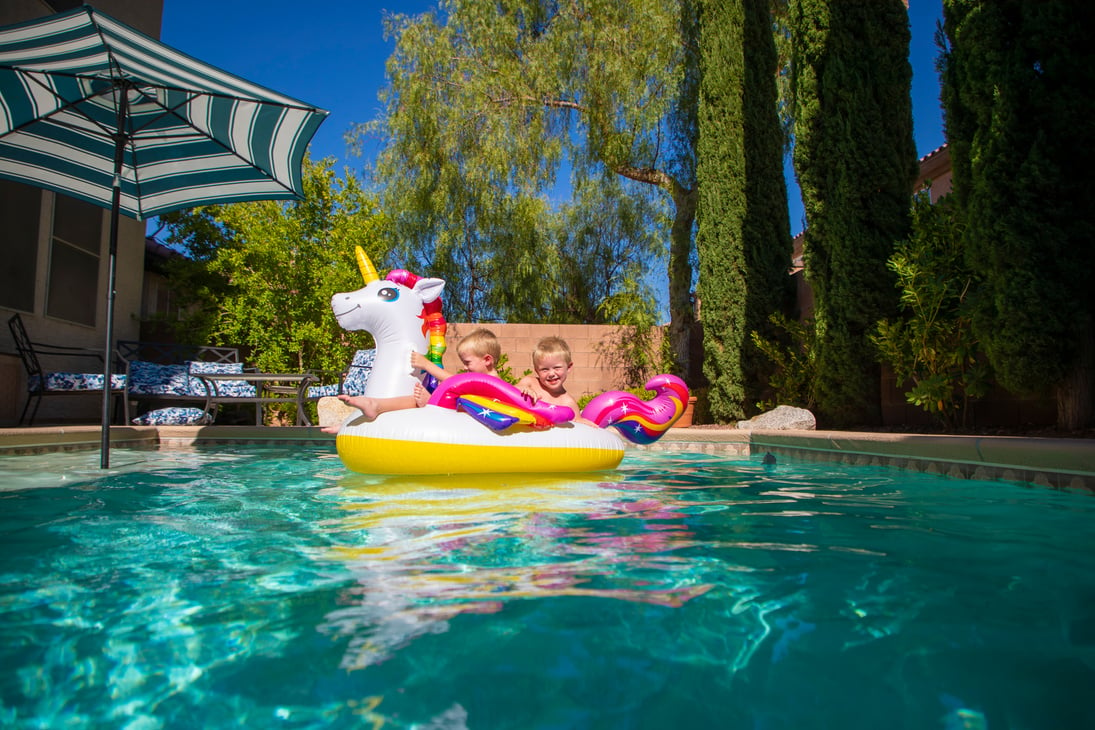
[436,440]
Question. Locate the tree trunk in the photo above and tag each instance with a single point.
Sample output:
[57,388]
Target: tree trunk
[681,311]
[1075,407]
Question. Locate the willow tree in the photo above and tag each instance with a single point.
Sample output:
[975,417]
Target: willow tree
[1017,80]
[855,161]
[743,240]
[605,240]
[488,101]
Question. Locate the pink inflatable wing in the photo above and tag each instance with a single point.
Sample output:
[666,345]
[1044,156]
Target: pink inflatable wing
[641,422]
[464,390]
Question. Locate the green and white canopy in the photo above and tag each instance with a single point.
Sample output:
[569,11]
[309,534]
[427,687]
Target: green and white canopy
[77,87]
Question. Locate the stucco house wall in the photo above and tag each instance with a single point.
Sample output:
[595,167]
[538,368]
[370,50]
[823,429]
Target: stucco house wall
[146,16]
[935,173]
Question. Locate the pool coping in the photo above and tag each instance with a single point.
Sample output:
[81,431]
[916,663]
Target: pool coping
[1054,462]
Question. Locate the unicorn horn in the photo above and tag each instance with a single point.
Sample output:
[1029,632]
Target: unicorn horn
[368,271]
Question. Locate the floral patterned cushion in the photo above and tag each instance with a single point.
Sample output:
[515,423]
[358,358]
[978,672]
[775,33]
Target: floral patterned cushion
[319,391]
[75,381]
[174,417]
[146,378]
[224,388]
[358,376]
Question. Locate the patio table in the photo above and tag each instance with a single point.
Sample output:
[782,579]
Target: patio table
[269,388]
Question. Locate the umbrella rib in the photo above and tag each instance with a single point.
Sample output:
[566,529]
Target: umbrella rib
[167,87]
[66,105]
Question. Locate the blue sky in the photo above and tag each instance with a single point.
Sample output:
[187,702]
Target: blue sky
[331,54]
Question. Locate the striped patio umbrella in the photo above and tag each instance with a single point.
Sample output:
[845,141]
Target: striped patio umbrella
[94,109]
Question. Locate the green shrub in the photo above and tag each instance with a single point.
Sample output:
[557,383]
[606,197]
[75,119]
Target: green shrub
[932,345]
[792,353]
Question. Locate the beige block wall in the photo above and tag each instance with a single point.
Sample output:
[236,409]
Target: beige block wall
[590,348]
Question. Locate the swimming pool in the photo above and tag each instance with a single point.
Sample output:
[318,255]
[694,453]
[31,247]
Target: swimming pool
[269,587]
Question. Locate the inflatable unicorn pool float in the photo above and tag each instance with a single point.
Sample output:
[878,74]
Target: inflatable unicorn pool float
[474,423]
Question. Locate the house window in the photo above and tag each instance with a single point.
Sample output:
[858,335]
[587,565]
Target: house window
[20,206]
[73,289]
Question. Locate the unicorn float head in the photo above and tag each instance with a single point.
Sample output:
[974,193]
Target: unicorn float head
[403,314]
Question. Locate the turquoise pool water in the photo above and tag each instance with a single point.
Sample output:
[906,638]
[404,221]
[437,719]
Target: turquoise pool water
[270,588]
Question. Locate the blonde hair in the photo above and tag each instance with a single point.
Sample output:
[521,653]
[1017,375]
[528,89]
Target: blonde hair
[551,346]
[481,343]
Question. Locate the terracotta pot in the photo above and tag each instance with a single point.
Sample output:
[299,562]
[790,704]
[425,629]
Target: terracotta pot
[686,418]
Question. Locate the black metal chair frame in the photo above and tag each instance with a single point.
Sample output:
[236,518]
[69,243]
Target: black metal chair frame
[29,352]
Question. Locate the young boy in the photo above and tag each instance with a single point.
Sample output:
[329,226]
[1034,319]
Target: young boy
[551,364]
[479,352]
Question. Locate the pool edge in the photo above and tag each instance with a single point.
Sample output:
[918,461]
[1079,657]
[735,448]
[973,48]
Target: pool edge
[1053,462]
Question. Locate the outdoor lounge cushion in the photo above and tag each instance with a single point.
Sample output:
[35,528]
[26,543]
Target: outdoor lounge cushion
[147,378]
[76,381]
[319,391]
[224,388]
[174,417]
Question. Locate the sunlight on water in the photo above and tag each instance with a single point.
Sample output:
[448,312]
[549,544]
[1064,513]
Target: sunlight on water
[272,588]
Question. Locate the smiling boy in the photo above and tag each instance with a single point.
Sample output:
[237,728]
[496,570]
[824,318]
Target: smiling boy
[551,364]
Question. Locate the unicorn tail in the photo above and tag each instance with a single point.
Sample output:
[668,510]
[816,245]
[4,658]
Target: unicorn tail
[641,422]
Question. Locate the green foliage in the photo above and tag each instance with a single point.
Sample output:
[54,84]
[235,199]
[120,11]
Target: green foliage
[261,275]
[486,102]
[855,160]
[1017,79]
[505,371]
[640,393]
[743,240]
[606,240]
[932,345]
[639,352]
[791,347]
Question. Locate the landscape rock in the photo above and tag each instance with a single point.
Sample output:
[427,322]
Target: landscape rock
[782,418]
[332,411]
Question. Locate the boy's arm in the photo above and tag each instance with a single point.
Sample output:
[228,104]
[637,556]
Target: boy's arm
[569,401]
[421,362]
[530,388]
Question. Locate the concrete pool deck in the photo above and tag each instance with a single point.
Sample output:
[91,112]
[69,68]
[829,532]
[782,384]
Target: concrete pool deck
[1053,462]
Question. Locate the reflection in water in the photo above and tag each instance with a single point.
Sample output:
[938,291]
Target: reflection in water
[426,550]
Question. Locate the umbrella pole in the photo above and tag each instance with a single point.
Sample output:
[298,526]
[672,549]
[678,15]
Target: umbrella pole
[108,349]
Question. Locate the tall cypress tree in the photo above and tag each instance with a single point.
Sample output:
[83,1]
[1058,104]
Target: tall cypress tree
[743,239]
[1020,116]
[855,161]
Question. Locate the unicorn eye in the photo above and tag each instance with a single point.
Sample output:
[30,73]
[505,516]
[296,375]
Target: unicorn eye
[388,294]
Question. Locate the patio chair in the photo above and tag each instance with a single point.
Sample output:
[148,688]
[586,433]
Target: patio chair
[350,382]
[41,382]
